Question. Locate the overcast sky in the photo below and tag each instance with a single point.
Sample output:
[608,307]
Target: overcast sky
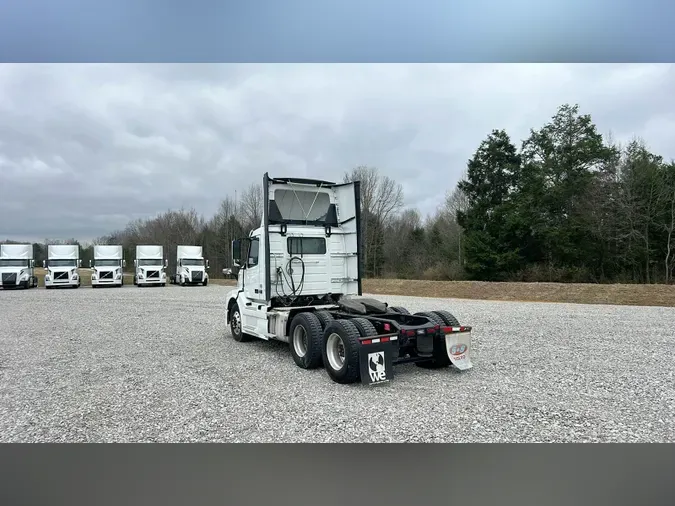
[85,148]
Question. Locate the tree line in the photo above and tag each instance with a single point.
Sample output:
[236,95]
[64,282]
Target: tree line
[567,205]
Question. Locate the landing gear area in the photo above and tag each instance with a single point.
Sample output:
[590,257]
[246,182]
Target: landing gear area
[362,339]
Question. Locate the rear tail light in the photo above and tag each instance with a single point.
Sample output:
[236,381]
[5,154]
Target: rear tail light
[450,330]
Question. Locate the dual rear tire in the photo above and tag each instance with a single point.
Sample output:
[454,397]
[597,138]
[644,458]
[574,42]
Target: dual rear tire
[439,357]
[318,339]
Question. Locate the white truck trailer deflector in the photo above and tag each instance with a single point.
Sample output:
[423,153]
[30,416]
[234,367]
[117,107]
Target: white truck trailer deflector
[190,267]
[63,262]
[107,267]
[17,266]
[149,266]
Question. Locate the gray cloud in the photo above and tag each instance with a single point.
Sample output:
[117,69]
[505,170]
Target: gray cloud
[86,148]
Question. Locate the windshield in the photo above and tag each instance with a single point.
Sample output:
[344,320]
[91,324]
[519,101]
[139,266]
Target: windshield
[150,261]
[107,263]
[192,261]
[13,263]
[61,263]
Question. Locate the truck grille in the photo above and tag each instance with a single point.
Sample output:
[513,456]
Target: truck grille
[9,278]
[153,274]
[61,275]
[197,276]
[107,275]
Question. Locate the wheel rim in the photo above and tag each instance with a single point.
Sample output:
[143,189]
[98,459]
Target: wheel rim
[300,341]
[236,322]
[335,351]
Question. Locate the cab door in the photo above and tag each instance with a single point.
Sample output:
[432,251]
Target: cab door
[254,308]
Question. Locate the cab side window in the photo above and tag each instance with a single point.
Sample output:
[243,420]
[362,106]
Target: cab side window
[253,252]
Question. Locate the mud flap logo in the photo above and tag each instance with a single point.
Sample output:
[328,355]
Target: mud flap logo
[376,367]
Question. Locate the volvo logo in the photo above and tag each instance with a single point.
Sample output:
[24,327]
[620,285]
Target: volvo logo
[457,349]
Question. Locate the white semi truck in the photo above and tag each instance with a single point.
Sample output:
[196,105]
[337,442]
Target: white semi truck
[107,269]
[190,267]
[17,266]
[62,264]
[299,281]
[150,266]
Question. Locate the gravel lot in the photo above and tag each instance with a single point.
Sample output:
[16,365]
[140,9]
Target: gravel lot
[158,364]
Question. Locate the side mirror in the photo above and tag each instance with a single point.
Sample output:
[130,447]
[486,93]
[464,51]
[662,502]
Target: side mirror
[32,263]
[207,264]
[44,264]
[236,252]
[124,263]
[90,264]
[240,252]
[135,263]
[79,263]
[166,263]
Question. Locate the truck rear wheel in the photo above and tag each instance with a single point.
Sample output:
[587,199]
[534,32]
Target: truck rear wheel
[440,357]
[305,339]
[398,309]
[366,329]
[448,318]
[324,317]
[235,325]
[340,351]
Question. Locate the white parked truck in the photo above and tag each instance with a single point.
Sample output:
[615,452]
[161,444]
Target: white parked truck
[150,266]
[63,263]
[107,268]
[17,266]
[190,267]
[299,281]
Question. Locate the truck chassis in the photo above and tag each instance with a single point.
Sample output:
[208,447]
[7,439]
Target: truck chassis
[362,339]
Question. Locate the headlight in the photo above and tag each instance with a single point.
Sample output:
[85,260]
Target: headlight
[140,274]
[93,275]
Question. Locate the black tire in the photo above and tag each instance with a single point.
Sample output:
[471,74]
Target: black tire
[398,309]
[306,352]
[348,333]
[448,318]
[324,317]
[206,282]
[366,329]
[440,357]
[237,333]
[436,320]
[135,280]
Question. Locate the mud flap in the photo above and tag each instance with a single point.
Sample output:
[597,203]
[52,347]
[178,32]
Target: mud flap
[458,347]
[376,363]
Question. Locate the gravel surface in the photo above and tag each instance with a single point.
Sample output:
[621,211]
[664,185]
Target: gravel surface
[158,364]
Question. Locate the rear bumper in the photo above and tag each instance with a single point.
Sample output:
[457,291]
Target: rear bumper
[378,355]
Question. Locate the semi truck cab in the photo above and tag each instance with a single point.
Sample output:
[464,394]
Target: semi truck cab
[62,266]
[107,268]
[150,266]
[17,266]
